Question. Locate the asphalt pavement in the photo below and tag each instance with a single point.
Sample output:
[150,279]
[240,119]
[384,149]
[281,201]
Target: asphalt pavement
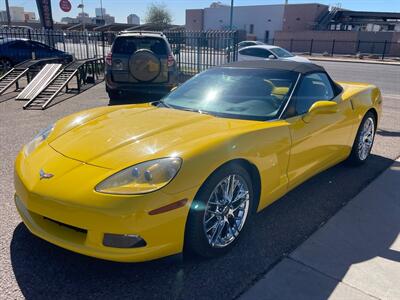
[32,268]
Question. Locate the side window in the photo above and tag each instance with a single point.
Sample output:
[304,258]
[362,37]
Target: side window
[313,88]
[245,52]
[256,52]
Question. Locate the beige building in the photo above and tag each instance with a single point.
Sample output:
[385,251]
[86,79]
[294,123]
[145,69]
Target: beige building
[17,14]
[259,21]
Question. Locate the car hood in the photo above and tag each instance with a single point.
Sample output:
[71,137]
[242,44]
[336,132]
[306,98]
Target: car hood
[133,134]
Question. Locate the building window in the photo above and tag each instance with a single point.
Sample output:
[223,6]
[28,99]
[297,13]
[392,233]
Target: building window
[251,29]
[269,20]
[194,21]
[297,19]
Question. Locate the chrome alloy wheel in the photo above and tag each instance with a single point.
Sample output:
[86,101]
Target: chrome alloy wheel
[366,138]
[226,211]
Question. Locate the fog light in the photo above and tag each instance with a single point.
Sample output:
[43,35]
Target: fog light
[123,240]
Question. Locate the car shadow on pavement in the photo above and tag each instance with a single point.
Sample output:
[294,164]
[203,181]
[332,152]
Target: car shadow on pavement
[388,133]
[46,271]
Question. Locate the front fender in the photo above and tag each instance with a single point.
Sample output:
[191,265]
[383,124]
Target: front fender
[265,146]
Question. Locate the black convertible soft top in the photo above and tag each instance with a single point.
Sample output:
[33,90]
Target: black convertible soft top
[299,67]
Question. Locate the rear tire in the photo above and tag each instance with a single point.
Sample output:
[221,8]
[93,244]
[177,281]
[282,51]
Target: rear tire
[115,97]
[216,219]
[364,140]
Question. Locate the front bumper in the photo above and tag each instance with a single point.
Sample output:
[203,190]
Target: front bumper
[78,222]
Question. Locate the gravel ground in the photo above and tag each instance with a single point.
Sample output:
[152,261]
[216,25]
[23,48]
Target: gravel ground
[32,268]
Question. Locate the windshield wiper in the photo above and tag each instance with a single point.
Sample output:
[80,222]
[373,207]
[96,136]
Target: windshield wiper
[158,102]
[183,108]
[196,110]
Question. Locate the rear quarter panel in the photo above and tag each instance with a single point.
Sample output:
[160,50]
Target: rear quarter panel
[363,97]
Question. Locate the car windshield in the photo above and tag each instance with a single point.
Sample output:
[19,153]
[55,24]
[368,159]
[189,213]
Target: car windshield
[254,94]
[281,52]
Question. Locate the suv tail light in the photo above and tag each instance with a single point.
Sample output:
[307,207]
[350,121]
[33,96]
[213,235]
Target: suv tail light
[171,60]
[109,59]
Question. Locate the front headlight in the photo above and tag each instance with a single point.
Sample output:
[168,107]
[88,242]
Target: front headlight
[142,178]
[38,139]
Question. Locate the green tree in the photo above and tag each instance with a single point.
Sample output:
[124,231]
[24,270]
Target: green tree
[158,14]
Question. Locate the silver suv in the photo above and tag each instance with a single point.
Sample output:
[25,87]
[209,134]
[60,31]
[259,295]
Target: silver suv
[140,65]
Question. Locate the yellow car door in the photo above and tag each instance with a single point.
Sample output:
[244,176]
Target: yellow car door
[320,125]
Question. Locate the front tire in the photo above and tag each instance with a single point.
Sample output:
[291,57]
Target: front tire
[364,140]
[220,212]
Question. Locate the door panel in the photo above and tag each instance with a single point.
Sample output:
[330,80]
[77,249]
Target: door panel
[318,143]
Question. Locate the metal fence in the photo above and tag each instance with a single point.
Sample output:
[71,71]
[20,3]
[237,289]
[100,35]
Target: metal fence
[81,44]
[375,49]
[194,51]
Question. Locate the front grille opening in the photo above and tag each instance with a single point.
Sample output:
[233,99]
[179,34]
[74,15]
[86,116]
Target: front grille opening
[81,230]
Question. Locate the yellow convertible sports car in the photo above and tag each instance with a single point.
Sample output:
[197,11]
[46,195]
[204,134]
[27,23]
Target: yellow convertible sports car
[140,182]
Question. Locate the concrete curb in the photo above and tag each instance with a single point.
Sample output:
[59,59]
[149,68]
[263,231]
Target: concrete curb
[372,62]
[355,255]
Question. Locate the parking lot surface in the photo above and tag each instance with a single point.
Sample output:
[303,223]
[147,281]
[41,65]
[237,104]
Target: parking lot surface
[32,268]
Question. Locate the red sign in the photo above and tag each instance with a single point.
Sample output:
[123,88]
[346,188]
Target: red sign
[65,5]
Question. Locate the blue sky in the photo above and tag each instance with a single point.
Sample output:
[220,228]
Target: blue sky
[121,8]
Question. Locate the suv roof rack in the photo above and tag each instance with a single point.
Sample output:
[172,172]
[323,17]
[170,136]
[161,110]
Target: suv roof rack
[141,32]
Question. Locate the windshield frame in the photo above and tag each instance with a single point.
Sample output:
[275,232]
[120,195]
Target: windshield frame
[277,116]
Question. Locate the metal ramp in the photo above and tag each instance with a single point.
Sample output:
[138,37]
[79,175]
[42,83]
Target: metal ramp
[39,82]
[61,80]
[10,78]
[20,70]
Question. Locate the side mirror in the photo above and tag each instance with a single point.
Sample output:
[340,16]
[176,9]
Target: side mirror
[322,107]
[271,56]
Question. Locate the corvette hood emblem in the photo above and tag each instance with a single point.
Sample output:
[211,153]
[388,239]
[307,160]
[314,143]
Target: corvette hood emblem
[44,175]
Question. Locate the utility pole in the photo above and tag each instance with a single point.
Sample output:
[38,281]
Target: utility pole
[231,19]
[84,29]
[8,13]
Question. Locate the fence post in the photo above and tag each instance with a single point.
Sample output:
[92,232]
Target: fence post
[291,45]
[333,47]
[273,41]
[311,46]
[85,32]
[235,48]
[63,37]
[103,44]
[384,50]
[198,52]
[358,46]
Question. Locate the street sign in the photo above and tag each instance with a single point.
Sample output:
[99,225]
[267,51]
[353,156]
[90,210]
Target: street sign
[46,18]
[65,5]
